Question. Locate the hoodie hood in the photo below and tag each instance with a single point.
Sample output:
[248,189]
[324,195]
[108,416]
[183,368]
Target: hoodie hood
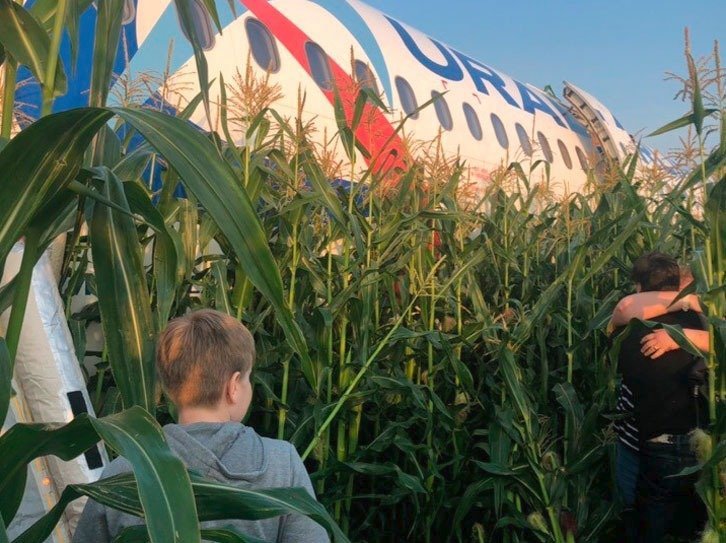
[213,450]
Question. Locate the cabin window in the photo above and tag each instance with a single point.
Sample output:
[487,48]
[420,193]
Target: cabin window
[263,46]
[407,97]
[565,154]
[500,131]
[472,119]
[524,139]
[442,110]
[129,12]
[364,76]
[201,22]
[319,66]
[545,145]
[582,158]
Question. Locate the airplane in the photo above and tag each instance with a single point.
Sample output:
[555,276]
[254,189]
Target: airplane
[328,50]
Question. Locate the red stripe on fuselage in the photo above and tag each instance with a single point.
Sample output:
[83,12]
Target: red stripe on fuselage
[375,132]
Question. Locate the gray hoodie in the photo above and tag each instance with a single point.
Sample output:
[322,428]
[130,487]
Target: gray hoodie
[228,453]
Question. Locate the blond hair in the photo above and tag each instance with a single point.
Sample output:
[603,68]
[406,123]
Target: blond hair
[198,353]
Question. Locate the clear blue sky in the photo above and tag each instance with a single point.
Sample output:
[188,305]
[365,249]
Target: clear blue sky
[618,51]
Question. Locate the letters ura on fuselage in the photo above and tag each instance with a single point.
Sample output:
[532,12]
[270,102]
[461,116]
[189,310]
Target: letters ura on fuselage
[456,66]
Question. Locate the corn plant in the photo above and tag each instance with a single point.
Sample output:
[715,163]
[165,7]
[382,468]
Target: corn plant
[442,366]
[71,167]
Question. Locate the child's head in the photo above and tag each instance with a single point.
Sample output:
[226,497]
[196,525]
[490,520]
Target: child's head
[204,361]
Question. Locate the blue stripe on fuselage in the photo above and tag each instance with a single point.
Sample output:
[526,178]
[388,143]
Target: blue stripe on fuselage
[29,95]
[351,19]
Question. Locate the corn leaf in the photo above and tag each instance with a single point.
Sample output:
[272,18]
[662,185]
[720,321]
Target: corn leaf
[24,442]
[105,44]
[38,163]
[166,246]
[163,483]
[123,296]
[214,185]
[28,43]
[6,376]
[166,497]
[686,120]
[186,19]
[139,534]
[716,219]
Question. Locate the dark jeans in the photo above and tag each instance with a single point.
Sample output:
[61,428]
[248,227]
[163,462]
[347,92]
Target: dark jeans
[668,505]
[627,467]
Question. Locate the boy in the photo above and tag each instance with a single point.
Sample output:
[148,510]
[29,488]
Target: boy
[204,360]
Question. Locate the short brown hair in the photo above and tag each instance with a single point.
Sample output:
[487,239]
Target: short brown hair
[656,271]
[197,354]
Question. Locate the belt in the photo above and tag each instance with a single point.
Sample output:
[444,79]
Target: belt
[669,438]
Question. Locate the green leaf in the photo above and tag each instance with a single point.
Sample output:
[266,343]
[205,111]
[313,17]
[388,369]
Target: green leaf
[44,11]
[23,443]
[686,120]
[674,331]
[167,245]
[105,44]
[187,19]
[716,219]
[38,163]
[28,43]
[216,501]
[699,114]
[164,495]
[123,297]
[6,375]
[3,533]
[163,483]
[221,297]
[215,186]
[139,534]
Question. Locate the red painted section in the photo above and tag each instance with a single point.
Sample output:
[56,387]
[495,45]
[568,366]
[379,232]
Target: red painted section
[375,132]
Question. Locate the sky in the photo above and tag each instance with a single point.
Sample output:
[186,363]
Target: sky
[618,51]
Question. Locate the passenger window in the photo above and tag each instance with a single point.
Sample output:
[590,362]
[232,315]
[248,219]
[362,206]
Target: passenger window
[565,154]
[202,24]
[545,145]
[442,110]
[364,76]
[582,158]
[407,98]
[472,119]
[523,139]
[500,131]
[263,46]
[319,66]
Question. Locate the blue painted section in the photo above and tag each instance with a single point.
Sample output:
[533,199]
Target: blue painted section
[480,72]
[152,55]
[451,70]
[357,26]
[572,122]
[532,102]
[29,96]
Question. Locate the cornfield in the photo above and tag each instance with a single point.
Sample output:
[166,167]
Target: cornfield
[442,368]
